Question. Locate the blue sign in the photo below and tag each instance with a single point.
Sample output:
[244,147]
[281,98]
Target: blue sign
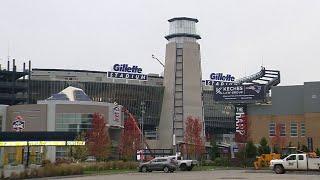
[222,77]
[228,91]
[124,71]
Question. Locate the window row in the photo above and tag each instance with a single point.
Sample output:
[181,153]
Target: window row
[279,129]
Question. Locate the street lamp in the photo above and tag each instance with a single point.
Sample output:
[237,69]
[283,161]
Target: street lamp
[143,111]
[154,57]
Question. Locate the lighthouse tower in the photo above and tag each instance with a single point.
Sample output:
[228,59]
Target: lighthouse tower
[182,81]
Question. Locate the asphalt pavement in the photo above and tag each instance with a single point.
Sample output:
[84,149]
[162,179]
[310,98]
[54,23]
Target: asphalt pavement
[205,175]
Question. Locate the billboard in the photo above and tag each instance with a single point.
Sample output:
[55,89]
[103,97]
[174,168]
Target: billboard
[241,124]
[228,91]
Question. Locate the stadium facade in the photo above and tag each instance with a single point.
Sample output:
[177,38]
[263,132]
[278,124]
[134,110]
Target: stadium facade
[161,103]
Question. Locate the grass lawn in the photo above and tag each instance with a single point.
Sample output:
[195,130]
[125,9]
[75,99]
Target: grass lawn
[111,171]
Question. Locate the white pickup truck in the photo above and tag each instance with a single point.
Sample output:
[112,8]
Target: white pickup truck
[295,162]
[184,165]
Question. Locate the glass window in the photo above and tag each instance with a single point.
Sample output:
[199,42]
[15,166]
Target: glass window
[292,157]
[61,151]
[75,122]
[272,129]
[60,96]
[294,129]
[303,129]
[282,129]
[11,157]
[300,157]
[179,52]
[81,96]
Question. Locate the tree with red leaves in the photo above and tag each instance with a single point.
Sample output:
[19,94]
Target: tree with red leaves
[98,141]
[278,141]
[130,140]
[194,146]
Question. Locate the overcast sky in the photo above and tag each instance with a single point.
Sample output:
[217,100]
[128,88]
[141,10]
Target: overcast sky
[94,35]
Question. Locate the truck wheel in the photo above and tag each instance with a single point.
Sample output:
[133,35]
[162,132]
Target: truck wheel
[189,168]
[166,169]
[144,169]
[279,169]
[183,167]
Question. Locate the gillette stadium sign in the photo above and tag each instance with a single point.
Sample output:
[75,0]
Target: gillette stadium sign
[228,91]
[219,77]
[124,71]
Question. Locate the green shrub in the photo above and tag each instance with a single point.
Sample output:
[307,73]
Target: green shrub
[109,165]
[62,161]
[221,162]
[24,174]
[14,175]
[45,162]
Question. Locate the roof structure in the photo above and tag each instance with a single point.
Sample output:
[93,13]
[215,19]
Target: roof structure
[70,94]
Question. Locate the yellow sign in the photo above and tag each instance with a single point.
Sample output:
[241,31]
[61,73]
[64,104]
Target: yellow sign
[76,143]
[14,143]
[42,143]
[47,143]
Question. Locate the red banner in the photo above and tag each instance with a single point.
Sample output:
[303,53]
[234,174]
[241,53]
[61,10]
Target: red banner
[241,124]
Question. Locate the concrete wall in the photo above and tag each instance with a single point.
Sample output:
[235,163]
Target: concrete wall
[187,103]
[3,114]
[311,97]
[78,108]
[34,115]
[287,100]
[166,120]
[192,79]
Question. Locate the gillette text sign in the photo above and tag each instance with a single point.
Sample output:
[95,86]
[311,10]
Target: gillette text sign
[222,77]
[124,71]
[219,77]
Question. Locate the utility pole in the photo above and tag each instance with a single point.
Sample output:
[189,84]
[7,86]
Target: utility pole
[143,110]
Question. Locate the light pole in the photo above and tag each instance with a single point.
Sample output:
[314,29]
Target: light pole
[143,110]
[154,57]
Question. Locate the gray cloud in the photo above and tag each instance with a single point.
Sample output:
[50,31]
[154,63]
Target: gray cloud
[96,34]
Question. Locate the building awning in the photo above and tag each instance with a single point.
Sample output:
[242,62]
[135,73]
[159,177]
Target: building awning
[38,136]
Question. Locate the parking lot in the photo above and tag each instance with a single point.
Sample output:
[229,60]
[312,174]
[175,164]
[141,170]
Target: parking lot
[207,175]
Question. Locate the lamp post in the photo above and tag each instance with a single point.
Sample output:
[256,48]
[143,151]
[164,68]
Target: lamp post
[143,110]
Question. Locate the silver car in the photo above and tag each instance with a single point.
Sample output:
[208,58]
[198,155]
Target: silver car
[158,164]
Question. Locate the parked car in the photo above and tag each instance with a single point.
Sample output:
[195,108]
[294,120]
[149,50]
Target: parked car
[91,159]
[184,165]
[164,164]
[301,161]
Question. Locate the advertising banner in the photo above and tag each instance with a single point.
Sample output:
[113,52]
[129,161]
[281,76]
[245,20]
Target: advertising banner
[228,91]
[241,124]
[116,116]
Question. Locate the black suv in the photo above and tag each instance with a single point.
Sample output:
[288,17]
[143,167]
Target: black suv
[158,164]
